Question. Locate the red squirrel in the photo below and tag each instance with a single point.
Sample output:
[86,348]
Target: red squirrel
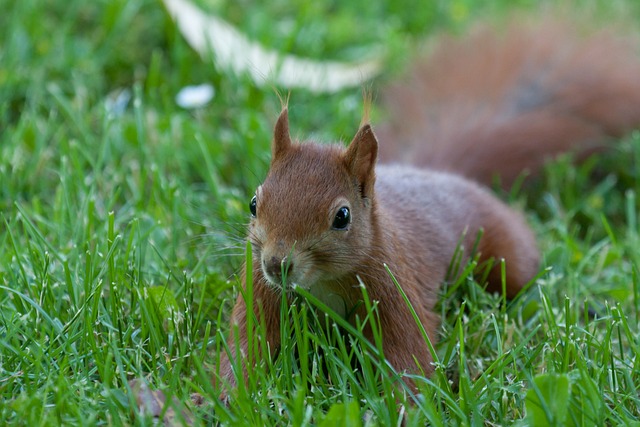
[495,103]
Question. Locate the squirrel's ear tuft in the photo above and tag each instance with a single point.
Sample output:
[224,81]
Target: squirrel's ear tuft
[281,136]
[360,159]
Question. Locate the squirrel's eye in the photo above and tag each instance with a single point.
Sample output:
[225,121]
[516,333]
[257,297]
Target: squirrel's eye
[252,206]
[342,219]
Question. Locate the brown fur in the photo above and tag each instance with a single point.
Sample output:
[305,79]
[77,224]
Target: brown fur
[487,104]
[501,102]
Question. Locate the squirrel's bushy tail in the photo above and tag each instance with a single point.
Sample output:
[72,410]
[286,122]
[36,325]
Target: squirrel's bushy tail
[502,101]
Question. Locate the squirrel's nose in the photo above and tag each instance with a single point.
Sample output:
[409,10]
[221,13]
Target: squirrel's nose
[275,267]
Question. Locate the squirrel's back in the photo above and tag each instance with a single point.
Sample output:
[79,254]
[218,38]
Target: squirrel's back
[502,101]
[435,214]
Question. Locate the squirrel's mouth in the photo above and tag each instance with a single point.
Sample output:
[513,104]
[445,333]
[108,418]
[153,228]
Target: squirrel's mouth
[324,294]
[283,283]
[278,272]
[290,277]
[288,282]
[286,271]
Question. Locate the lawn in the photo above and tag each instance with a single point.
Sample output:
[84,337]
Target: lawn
[122,219]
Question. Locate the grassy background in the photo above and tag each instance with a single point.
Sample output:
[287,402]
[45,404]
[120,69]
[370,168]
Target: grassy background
[119,232]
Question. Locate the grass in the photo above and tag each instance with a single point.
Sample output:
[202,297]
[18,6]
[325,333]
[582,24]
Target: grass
[120,235]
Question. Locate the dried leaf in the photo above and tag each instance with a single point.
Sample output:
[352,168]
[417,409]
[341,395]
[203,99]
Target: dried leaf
[151,403]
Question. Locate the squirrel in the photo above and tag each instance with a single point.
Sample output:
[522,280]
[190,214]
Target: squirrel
[494,103]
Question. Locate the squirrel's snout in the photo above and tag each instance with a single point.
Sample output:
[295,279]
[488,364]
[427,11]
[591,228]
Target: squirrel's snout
[275,267]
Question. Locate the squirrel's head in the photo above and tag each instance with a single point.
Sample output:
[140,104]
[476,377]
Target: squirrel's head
[312,216]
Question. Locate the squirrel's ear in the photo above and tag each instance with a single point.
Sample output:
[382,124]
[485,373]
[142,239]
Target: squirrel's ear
[281,137]
[360,159]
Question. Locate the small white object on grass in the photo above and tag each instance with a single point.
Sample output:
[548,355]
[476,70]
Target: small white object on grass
[195,96]
[117,101]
